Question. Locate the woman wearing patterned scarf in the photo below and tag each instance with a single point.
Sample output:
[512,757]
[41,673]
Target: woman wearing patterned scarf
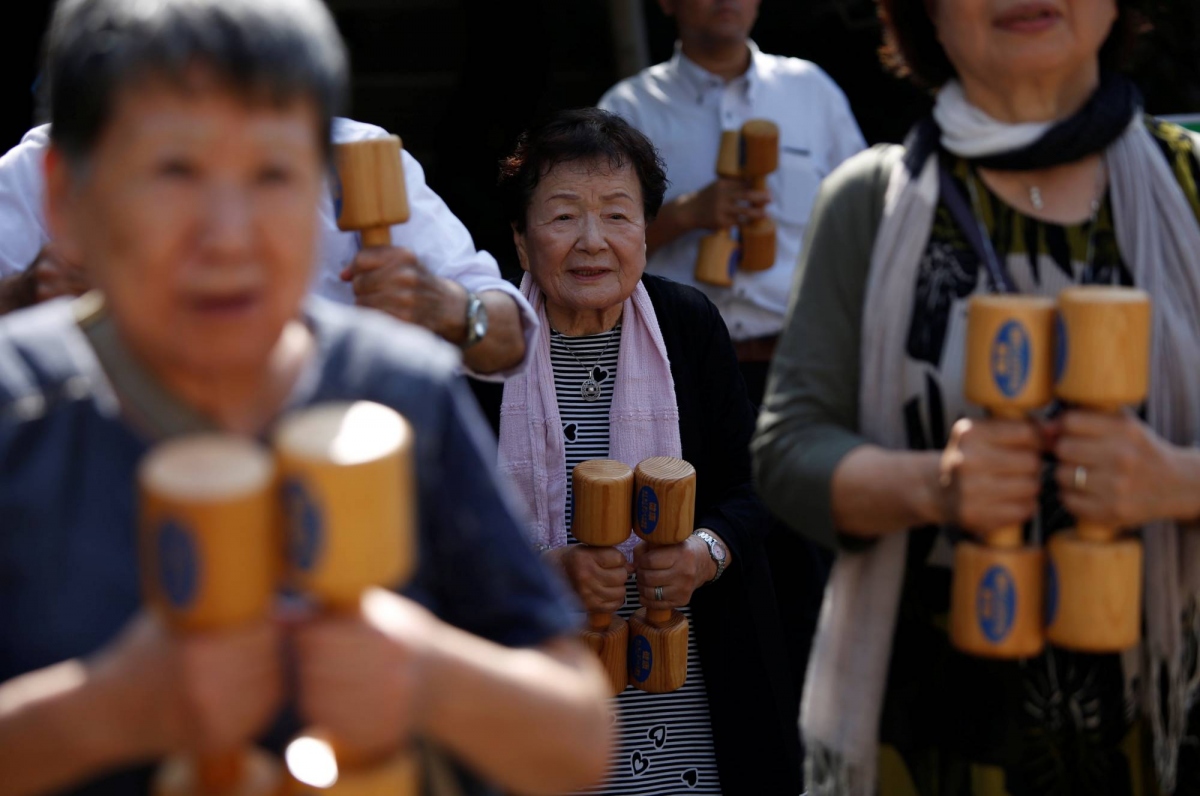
[864,441]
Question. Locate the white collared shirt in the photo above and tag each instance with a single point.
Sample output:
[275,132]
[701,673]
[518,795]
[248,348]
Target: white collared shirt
[434,234]
[683,109]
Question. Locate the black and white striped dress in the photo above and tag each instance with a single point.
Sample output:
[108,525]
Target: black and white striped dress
[664,744]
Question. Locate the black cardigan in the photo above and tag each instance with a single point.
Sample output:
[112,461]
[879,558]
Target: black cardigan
[738,633]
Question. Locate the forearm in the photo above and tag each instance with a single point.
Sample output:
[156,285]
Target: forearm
[1186,467]
[672,222]
[877,491]
[17,292]
[56,730]
[503,346]
[533,721]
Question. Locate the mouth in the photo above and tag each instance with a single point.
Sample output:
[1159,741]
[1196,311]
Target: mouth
[590,274]
[1029,18]
[227,305]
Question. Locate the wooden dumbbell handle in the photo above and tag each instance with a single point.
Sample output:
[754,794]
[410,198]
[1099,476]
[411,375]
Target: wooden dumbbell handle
[1012,536]
[659,616]
[599,621]
[376,236]
[220,772]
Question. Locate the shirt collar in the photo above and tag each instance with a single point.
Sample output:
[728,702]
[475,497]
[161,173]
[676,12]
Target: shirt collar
[699,80]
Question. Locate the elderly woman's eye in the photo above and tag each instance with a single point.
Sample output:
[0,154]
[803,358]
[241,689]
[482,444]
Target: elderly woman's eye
[177,168]
[563,217]
[274,175]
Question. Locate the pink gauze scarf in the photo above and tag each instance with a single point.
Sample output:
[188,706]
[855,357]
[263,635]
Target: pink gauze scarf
[643,420]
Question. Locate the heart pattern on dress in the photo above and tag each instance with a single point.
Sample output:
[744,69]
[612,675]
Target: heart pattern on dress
[638,763]
[658,735]
[691,777]
[570,431]
[599,374]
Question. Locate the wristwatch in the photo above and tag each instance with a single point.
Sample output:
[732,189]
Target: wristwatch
[477,321]
[715,549]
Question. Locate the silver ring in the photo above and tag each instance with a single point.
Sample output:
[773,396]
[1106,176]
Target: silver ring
[658,593]
[1080,478]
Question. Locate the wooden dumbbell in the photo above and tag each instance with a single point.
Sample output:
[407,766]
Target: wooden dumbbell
[664,507]
[760,157]
[996,608]
[717,257]
[371,197]
[603,490]
[349,516]
[1096,576]
[209,538]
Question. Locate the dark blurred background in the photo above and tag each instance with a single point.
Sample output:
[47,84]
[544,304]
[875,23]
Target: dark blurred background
[459,79]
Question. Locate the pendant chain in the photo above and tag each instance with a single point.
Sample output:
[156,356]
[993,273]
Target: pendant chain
[589,389]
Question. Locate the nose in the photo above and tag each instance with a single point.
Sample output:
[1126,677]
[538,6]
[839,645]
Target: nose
[228,221]
[591,236]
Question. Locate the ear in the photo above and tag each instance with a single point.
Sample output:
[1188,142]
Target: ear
[61,205]
[522,252]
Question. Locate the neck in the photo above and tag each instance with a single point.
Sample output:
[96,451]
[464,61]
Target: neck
[244,400]
[1048,98]
[726,59]
[577,323]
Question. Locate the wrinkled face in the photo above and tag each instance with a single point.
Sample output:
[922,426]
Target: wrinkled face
[585,237]
[718,21]
[196,215]
[985,39]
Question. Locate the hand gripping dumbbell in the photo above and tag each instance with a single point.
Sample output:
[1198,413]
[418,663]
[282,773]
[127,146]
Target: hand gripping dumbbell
[603,493]
[1095,575]
[760,157]
[664,506]
[996,608]
[371,197]
[208,538]
[349,515]
[717,256]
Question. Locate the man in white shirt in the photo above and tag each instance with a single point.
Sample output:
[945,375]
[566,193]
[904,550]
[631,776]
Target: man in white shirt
[717,80]
[432,274]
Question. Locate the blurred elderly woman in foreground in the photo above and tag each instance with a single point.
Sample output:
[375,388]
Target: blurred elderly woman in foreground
[190,141]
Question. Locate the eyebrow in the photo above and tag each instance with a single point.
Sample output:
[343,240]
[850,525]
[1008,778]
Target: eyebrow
[608,197]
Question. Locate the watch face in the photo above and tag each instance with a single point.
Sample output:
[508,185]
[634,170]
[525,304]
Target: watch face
[718,551]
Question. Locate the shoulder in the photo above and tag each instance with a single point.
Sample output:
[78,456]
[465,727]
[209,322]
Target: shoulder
[32,147]
[678,305]
[347,131]
[861,180]
[42,355]
[648,87]
[1181,147]
[365,347]
[799,73]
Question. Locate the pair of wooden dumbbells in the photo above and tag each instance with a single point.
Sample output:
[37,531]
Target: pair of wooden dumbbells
[650,651]
[748,154]
[340,485]
[1092,351]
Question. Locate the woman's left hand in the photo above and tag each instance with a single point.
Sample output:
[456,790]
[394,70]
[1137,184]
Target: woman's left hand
[1114,470]
[679,569]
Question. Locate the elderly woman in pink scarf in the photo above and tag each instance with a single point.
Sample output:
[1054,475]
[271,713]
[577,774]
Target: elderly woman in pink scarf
[628,366]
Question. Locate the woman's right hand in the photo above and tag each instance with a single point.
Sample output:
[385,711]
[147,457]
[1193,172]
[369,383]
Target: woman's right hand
[597,574]
[198,692]
[990,474]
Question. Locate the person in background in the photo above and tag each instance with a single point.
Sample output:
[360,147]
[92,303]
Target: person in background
[630,366]
[432,274]
[867,445]
[717,80]
[185,171]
